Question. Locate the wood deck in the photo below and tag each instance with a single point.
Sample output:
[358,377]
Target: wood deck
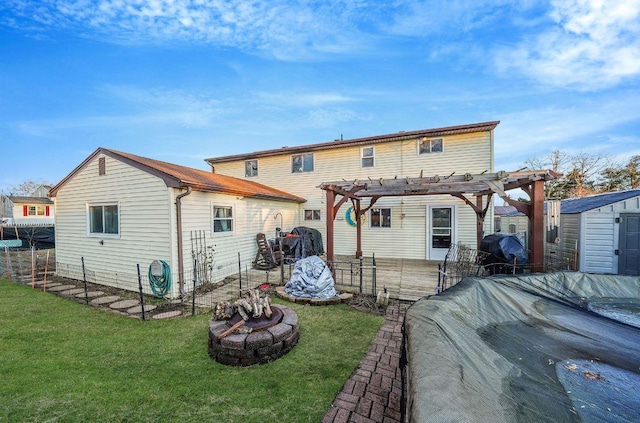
[407,279]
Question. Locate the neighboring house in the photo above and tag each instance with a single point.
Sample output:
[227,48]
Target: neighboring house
[418,227]
[507,219]
[42,191]
[599,233]
[118,210]
[25,211]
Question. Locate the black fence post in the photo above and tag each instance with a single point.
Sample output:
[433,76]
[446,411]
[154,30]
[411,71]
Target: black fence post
[84,278]
[373,275]
[361,260]
[239,276]
[195,278]
[140,288]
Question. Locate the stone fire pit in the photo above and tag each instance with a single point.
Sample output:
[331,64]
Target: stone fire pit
[268,341]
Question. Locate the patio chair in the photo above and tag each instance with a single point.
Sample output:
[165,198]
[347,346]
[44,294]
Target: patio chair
[266,257]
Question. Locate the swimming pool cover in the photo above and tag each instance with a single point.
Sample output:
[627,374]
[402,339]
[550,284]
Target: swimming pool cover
[559,347]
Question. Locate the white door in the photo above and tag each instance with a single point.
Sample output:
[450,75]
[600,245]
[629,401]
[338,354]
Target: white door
[441,231]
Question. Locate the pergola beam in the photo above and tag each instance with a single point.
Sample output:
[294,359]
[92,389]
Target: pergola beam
[459,186]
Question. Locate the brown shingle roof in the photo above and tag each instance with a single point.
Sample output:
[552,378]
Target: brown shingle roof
[180,176]
[16,199]
[398,136]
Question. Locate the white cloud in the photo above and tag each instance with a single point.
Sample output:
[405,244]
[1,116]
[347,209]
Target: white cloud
[280,28]
[591,45]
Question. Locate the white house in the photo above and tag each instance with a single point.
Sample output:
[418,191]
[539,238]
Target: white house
[27,211]
[417,227]
[507,219]
[117,210]
[599,233]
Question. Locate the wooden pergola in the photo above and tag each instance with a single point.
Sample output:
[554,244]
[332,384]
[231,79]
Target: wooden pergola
[464,187]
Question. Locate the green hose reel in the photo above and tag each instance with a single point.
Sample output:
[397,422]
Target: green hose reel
[159,278]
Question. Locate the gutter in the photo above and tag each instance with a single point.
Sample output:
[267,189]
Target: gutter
[179,229]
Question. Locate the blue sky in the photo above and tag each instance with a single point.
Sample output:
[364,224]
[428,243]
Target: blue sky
[183,80]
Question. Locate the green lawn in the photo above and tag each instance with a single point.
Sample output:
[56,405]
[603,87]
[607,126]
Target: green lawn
[61,361]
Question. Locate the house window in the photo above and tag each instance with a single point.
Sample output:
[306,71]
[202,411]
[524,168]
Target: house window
[426,146]
[302,163]
[381,218]
[512,228]
[36,211]
[103,219]
[102,167]
[367,157]
[311,214]
[250,168]
[552,234]
[222,219]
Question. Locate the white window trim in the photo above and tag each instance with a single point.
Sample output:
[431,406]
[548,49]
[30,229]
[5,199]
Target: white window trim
[304,215]
[245,168]
[380,227]
[362,157]
[102,234]
[233,219]
[430,140]
[302,155]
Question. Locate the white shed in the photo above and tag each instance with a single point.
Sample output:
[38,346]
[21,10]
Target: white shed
[599,233]
[117,210]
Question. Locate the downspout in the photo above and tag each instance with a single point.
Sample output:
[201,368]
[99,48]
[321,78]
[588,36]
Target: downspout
[179,229]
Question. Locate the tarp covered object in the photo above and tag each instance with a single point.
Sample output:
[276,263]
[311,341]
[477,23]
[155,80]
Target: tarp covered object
[526,349]
[503,248]
[41,237]
[308,242]
[311,278]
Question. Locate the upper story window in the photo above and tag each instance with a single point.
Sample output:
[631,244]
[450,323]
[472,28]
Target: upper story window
[302,163]
[426,145]
[367,156]
[311,214]
[103,219]
[222,219]
[381,218]
[251,168]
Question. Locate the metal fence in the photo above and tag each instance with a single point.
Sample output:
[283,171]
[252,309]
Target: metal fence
[355,275]
[27,265]
[224,282]
[460,262]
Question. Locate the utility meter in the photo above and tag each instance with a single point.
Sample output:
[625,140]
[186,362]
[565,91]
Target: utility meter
[156,269]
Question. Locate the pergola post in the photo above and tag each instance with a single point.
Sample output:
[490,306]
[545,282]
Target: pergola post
[479,221]
[537,226]
[356,209]
[331,215]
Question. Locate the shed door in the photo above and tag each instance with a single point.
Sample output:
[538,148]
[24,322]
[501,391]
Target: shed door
[629,247]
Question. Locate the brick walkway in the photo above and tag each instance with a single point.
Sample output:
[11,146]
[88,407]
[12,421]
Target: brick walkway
[373,392]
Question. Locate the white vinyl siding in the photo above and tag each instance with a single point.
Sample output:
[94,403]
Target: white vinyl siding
[145,209]
[465,153]
[252,216]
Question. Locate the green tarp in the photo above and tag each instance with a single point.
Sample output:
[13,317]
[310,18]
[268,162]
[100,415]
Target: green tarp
[561,347]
